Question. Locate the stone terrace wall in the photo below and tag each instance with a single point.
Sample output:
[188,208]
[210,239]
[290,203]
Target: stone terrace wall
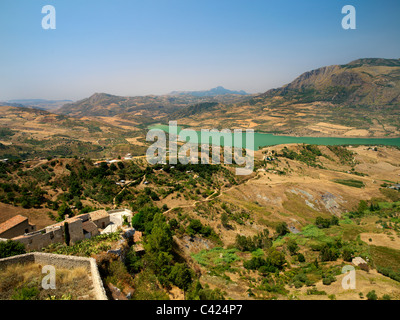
[39,240]
[61,261]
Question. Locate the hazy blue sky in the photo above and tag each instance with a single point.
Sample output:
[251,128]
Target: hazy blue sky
[157,46]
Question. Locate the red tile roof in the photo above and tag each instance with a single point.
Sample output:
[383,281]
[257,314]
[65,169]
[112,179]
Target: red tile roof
[11,223]
[89,226]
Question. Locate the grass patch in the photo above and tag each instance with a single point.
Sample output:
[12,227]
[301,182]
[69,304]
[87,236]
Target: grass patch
[24,282]
[386,257]
[350,183]
[216,259]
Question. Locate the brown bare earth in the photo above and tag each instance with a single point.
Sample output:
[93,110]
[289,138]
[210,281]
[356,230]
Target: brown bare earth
[365,282]
[37,217]
[381,239]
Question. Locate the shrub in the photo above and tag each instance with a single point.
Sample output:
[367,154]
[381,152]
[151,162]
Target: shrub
[181,276]
[347,254]
[327,280]
[328,254]
[281,229]
[314,291]
[292,247]
[11,248]
[372,295]
[26,294]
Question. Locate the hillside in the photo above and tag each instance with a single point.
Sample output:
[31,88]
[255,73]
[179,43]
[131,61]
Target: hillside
[283,233]
[143,109]
[28,133]
[361,98]
[364,82]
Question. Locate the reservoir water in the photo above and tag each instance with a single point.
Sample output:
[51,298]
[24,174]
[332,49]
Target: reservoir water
[266,139]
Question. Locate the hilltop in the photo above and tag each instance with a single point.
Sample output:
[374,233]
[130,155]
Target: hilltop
[361,98]
[141,108]
[358,99]
[364,82]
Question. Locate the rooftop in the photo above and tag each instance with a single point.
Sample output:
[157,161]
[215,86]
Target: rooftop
[99,214]
[89,226]
[10,223]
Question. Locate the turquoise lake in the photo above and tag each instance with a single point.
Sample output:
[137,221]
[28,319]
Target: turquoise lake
[266,139]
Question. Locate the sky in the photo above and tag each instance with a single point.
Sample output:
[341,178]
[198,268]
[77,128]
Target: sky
[146,47]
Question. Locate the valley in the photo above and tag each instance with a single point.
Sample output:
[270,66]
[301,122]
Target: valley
[323,193]
[221,224]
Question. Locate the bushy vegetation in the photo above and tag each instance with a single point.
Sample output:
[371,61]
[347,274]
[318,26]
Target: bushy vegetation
[87,247]
[345,156]
[76,180]
[350,183]
[274,262]
[308,154]
[326,223]
[11,248]
[259,241]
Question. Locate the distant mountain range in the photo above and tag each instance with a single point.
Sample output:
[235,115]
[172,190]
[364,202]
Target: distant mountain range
[361,98]
[107,105]
[218,91]
[37,103]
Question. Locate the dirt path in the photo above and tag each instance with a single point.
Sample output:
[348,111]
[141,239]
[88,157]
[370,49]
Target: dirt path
[210,197]
[127,184]
[41,162]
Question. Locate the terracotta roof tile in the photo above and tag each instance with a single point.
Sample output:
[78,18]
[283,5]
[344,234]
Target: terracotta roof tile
[14,221]
[99,214]
[89,226]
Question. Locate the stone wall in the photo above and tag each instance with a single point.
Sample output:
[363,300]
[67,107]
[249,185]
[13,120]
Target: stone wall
[52,234]
[39,239]
[76,230]
[61,261]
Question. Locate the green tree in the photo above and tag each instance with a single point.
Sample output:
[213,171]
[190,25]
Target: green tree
[281,229]
[173,224]
[160,238]
[292,247]
[63,211]
[347,254]
[372,295]
[362,206]
[276,258]
[301,257]
[133,261]
[181,276]
[11,248]
[328,254]
[225,220]
[67,236]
